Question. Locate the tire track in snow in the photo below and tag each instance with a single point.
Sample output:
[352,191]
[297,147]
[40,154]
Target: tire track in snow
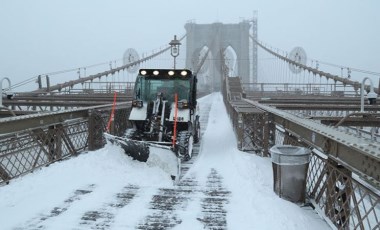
[213,205]
[103,218]
[165,205]
[186,165]
[37,222]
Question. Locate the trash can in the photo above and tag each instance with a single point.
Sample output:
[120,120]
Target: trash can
[290,165]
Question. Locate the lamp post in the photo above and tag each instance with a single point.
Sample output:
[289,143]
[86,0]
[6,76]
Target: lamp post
[371,95]
[1,89]
[174,48]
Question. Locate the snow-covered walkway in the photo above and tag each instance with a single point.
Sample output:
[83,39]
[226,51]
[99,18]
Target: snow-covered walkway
[105,189]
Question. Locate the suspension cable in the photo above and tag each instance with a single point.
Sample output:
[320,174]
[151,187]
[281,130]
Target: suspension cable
[101,74]
[349,68]
[57,72]
[355,84]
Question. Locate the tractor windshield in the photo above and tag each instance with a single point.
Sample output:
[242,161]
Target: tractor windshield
[146,89]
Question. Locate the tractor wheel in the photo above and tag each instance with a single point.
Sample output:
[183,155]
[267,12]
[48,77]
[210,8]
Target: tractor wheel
[185,142]
[133,148]
[197,132]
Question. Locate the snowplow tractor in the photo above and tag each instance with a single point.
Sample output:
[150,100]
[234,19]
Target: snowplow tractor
[164,114]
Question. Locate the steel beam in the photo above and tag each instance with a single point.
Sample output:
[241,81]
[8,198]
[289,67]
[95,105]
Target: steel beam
[71,97]
[308,100]
[62,103]
[324,107]
[351,121]
[19,123]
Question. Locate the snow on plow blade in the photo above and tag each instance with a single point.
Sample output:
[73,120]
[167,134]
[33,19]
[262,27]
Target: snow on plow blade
[138,150]
[151,153]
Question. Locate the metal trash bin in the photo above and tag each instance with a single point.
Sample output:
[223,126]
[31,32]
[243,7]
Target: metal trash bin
[290,165]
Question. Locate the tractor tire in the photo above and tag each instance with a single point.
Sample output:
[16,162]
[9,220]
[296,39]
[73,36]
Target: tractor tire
[137,150]
[197,132]
[185,142]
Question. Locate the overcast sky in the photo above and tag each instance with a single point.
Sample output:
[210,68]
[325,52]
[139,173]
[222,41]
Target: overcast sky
[42,36]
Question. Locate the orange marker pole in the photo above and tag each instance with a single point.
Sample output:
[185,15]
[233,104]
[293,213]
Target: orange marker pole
[112,112]
[175,119]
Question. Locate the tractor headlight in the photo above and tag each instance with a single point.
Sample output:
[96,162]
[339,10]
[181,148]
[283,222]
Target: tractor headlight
[184,73]
[183,104]
[137,103]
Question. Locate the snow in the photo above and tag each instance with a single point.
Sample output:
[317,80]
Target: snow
[164,159]
[252,204]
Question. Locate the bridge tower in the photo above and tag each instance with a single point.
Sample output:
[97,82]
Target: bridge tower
[217,37]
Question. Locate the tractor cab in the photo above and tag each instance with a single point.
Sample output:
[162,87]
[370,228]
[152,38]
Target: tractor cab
[164,83]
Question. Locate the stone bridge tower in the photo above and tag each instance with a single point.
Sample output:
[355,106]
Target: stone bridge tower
[217,37]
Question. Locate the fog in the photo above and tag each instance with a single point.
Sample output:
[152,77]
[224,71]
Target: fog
[43,36]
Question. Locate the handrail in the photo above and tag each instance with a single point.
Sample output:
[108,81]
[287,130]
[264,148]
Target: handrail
[24,122]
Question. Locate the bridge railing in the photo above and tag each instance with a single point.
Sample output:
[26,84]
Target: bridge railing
[31,142]
[297,89]
[103,88]
[346,199]
[249,123]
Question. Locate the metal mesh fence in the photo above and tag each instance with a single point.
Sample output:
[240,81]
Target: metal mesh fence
[344,199]
[24,151]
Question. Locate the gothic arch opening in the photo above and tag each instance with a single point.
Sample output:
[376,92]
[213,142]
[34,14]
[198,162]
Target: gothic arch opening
[205,75]
[196,59]
[230,59]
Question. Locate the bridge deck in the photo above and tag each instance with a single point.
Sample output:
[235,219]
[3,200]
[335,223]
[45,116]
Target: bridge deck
[223,189]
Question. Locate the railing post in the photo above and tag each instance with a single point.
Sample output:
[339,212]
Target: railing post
[268,128]
[289,139]
[272,130]
[51,139]
[95,131]
[239,128]
[121,121]
[338,194]
[4,174]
